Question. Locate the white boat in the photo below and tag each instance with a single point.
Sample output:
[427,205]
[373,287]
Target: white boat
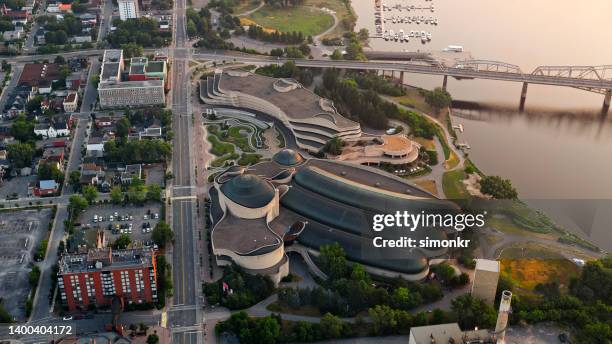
[411,34]
[454,48]
[394,20]
[391,34]
[429,36]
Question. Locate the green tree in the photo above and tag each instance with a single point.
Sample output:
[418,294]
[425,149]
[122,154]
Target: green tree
[137,191]
[90,193]
[123,127]
[116,195]
[22,129]
[472,312]
[21,154]
[76,204]
[152,339]
[122,242]
[336,55]
[154,192]
[438,98]
[384,319]
[162,234]
[74,178]
[498,187]
[34,276]
[331,326]
[332,259]
[131,50]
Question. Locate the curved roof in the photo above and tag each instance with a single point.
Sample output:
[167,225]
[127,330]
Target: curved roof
[288,157]
[249,191]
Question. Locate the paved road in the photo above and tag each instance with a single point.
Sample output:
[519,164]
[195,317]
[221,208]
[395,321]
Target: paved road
[16,70]
[185,315]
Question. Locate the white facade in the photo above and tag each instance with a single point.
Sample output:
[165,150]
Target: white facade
[71,102]
[128,9]
[131,93]
[50,132]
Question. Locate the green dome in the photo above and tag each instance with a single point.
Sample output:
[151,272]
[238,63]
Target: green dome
[287,157]
[249,191]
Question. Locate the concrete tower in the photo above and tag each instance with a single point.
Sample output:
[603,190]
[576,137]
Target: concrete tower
[502,316]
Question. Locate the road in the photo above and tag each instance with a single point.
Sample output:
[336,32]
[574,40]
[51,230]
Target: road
[185,312]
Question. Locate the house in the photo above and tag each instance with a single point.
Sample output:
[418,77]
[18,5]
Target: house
[40,36]
[40,75]
[103,122]
[54,154]
[58,126]
[25,171]
[43,188]
[95,150]
[13,35]
[130,172]
[50,163]
[71,102]
[91,174]
[65,7]
[18,18]
[83,38]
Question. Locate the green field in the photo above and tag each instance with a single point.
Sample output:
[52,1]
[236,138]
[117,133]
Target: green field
[452,184]
[309,21]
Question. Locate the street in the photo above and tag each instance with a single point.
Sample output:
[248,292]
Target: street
[185,313]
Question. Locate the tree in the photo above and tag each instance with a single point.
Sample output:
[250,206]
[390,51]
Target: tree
[122,242]
[74,178]
[334,146]
[444,272]
[331,326]
[336,55]
[498,187]
[123,127]
[137,192]
[132,50]
[472,312]
[22,129]
[76,204]
[116,195]
[153,339]
[333,260]
[90,193]
[438,98]
[48,171]
[154,192]
[383,318]
[363,35]
[162,234]
[21,154]
[34,276]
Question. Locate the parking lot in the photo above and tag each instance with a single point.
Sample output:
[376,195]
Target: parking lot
[21,231]
[136,221]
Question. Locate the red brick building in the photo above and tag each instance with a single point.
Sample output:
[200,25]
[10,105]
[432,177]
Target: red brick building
[98,275]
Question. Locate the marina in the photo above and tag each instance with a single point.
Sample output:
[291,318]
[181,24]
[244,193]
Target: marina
[403,34]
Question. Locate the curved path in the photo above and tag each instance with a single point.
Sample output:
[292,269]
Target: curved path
[249,12]
[318,37]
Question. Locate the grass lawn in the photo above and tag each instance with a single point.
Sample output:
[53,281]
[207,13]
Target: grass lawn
[414,99]
[303,19]
[452,184]
[343,10]
[428,144]
[219,148]
[249,159]
[218,162]
[428,185]
[540,265]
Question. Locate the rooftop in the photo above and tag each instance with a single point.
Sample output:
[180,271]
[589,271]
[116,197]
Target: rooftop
[130,84]
[442,333]
[110,259]
[487,265]
[155,67]
[248,190]
[297,103]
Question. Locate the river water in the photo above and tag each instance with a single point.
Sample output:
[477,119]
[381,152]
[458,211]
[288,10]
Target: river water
[560,148]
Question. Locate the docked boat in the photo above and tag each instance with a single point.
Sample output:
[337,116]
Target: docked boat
[429,36]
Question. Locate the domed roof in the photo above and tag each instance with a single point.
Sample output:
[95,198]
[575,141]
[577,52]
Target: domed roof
[288,157]
[249,191]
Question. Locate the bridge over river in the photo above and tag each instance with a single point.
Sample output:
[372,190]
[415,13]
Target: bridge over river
[596,79]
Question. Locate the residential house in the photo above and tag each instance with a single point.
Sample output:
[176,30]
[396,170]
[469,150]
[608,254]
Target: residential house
[130,172]
[55,154]
[103,122]
[71,102]
[13,35]
[40,76]
[92,174]
[43,188]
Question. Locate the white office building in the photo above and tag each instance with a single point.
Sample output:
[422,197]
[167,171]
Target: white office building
[128,9]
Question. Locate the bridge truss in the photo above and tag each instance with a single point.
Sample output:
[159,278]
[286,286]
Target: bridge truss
[596,73]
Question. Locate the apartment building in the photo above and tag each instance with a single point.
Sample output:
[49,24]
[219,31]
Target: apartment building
[95,277]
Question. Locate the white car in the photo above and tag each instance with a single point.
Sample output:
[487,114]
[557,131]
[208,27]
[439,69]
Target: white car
[110,218]
[156,216]
[67,317]
[146,217]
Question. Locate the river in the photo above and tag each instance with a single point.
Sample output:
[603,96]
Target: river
[560,148]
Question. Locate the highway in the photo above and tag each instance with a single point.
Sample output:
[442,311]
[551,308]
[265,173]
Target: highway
[185,313]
